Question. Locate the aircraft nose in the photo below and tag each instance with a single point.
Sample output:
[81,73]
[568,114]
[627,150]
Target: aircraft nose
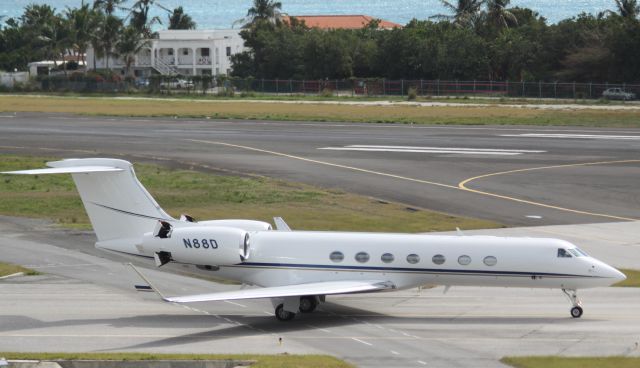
[619,276]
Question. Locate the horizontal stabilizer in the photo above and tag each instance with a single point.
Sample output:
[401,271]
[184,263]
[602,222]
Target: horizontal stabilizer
[66,170]
[316,288]
[280,224]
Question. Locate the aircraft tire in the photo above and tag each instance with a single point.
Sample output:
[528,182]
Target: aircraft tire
[283,315]
[576,312]
[308,304]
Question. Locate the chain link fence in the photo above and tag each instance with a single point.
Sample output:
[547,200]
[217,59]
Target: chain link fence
[348,87]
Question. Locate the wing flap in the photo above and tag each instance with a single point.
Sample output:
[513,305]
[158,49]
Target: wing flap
[316,288]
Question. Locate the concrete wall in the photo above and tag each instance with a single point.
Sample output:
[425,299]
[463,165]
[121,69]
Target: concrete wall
[10,79]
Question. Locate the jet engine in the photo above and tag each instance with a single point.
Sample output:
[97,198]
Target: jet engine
[208,245]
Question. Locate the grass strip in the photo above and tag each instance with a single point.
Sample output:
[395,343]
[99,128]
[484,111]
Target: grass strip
[209,196]
[9,269]
[572,362]
[263,361]
[633,279]
[404,114]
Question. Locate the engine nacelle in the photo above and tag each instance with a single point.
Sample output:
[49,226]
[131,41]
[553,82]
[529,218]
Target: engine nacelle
[201,245]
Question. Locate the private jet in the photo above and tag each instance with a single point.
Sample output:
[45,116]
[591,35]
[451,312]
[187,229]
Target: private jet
[297,270]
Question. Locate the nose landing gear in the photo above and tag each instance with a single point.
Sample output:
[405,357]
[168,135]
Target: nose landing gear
[576,310]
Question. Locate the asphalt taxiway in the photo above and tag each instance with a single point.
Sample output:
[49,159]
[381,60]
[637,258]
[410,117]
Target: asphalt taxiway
[85,301]
[582,182]
[522,176]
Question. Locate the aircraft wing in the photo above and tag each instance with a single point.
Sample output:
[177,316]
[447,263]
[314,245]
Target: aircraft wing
[316,288]
[65,170]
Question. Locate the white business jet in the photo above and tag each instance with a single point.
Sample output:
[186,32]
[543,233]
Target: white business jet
[298,269]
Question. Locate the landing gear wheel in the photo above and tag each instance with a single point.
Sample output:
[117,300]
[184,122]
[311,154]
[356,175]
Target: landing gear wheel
[283,315]
[576,312]
[308,304]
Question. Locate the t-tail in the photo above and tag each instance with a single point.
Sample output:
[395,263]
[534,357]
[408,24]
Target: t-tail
[120,209]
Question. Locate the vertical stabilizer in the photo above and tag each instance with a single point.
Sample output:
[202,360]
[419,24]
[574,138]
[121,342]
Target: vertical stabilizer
[119,207]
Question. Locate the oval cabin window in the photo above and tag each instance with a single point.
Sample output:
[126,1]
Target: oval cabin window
[413,258]
[464,260]
[362,257]
[438,259]
[387,258]
[490,260]
[336,256]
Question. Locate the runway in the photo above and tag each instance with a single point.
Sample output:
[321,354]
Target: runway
[521,176]
[579,179]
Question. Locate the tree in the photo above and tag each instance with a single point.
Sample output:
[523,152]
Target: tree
[179,20]
[498,15]
[108,6]
[140,19]
[465,12]
[130,43]
[111,26]
[80,28]
[262,10]
[628,9]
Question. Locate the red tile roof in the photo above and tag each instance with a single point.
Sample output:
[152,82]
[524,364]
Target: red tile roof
[341,21]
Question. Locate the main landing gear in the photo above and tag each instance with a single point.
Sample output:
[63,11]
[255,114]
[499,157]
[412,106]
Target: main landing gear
[576,309]
[304,304]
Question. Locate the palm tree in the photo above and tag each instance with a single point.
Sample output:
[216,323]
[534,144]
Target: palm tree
[108,6]
[465,12]
[140,17]
[80,29]
[179,20]
[499,15]
[130,43]
[629,9]
[262,10]
[111,26]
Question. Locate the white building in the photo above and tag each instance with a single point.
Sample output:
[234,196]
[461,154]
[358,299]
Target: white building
[186,52]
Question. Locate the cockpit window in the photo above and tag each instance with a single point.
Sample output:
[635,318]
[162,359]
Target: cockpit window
[582,252]
[562,253]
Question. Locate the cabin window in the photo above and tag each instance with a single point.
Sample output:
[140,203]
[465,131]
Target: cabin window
[387,258]
[362,257]
[413,258]
[336,256]
[562,253]
[464,260]
[490,260]
[438,259]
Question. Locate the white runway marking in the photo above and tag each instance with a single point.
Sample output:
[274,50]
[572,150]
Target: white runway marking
[420,149]
[363,342]
[238,304]
[394,352]
[421,362]
[575,136]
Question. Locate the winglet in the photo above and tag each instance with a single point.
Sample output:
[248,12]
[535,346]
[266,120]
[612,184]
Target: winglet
[280,224]
[148,282]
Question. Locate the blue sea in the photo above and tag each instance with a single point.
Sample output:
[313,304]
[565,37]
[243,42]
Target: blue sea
[217,14]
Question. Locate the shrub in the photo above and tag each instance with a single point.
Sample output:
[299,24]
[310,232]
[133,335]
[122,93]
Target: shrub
[326,92]
[412,94]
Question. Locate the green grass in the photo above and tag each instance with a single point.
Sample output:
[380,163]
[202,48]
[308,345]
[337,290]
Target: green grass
[10,269]
[209,196]
[492,113]
[570,362]
[262,361]
[633,278]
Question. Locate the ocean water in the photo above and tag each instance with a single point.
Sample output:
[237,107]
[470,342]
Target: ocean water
[216,14]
